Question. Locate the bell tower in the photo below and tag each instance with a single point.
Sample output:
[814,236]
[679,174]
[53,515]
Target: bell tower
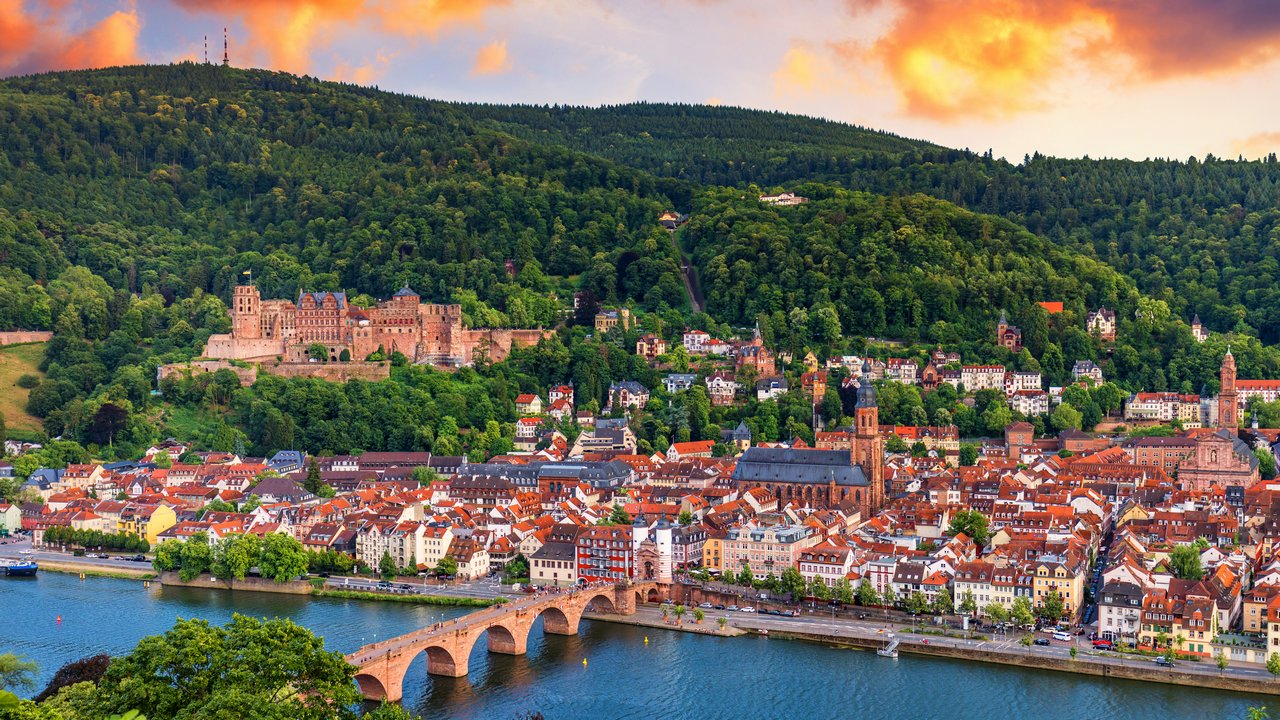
[1228,402]
[867,449]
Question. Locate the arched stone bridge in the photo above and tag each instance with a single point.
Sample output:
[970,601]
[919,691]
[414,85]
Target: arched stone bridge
[381,666]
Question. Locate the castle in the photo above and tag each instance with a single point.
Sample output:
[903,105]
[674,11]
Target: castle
[425,333]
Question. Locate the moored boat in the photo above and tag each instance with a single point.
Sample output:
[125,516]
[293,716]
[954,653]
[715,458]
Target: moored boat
[18,568]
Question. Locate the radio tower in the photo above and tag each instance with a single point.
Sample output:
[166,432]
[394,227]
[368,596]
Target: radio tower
[206,49]
[226,60]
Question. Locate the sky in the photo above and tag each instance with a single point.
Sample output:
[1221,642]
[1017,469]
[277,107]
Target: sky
[1102,78]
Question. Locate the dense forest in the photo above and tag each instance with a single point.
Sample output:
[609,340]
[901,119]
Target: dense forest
[133,199]
[1201,234]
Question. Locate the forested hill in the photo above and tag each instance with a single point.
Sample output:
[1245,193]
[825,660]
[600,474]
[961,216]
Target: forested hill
[1202,235]
[708,144]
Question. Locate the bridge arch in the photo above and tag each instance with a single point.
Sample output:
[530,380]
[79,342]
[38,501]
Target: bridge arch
[442,662]
[558,622]
[607,606]
[371,687]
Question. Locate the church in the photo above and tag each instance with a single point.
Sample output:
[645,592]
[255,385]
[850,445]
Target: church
[851,478]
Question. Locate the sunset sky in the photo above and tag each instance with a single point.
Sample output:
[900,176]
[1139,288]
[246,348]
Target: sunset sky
[1129,78]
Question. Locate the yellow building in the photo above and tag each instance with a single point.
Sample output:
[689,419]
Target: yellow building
[1065,574]
[147,521]
[713,553]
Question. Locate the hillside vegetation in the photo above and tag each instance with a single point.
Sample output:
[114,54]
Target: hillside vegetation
[133,199]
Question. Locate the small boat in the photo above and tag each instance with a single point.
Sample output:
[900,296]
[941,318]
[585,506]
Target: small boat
[764,631]
[18,568]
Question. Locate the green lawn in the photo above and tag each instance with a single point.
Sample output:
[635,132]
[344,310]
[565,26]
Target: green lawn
[15,361]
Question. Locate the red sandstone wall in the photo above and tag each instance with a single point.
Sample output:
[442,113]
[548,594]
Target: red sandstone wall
[247,376]
[333,372]
[16,337]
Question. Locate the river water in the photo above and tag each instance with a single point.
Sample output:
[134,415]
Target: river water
[677,675]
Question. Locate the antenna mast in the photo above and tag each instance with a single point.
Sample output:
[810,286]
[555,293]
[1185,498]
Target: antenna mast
[226,60]
[206,49]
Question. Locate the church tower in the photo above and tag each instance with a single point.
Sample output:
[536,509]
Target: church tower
[1228,403]
[868,447]
[246,312]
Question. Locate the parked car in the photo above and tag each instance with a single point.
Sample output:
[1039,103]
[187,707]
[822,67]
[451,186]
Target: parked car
[705,605]
[1163,661]
[719,606]
[747,609]
[1103,645]
[732,607]
[1042,641]
[1063,636]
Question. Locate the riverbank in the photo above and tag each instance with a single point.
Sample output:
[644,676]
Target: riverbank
[445,600]
[88,570]
[1095,665]
[641,619]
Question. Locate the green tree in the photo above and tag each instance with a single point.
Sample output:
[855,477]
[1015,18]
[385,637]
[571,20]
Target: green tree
[968,604]
[972,523]
[917,603]
[1184,562]
[968,454]
[1273,664]
[722,622]
[679,611]
[1027,641]
[996,612]
[447,566]
[792,582]
[195,557]
[745,576]
[1220,659]
[234,555]
[844,591]
[387,566]
[684,518]
[1021,611]
[941,603]
[283,558]
[1258,713]
[17,673]
[168,556]
[317,352]
[698,615]
[1051,608]
[248,668]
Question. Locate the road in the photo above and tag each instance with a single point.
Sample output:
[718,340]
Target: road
[1005,644]
[483,589]
[691,286]
[12,549]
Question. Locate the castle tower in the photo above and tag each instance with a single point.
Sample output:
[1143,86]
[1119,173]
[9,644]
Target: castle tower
[246,312]
[1228,403]
[867,448]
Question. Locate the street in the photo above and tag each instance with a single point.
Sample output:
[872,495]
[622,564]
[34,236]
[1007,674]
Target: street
[13,550]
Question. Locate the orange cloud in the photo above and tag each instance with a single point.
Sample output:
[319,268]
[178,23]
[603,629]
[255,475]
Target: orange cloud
[799,71]
[994,58]
[283,34]
[492,59]
[1257,146]
[31,43]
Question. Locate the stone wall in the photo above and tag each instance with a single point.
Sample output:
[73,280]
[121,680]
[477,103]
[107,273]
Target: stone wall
[17,337]
[497,342]
[247,376]
[252,584]
[227,347]
[333,372]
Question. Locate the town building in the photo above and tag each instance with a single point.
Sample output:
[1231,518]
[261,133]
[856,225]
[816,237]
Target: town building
[609,319]
[1101,323]
[766,550]
[1008,336]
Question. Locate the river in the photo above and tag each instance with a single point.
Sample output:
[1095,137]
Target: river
[676,675]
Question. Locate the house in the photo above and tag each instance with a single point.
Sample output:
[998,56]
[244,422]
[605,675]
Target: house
[1086,370]
[766,550]
[607,320]
[784,199]
[627,393]
[1119,610]
[280,490]
[695,342]
[694,448]
[826,562]
[722,388]
[1008,336]
[605,552]
[1102,323]
[1064,574]
[814,385]
[560,410]
[528,404]
[771,387]
[527,433]
[10,519]
[982,377]
[1030,402]
[903,370]
[1197,330]
[471,556]
[650,346]
[561,392]
[678,382]
[671,219]
[555,563]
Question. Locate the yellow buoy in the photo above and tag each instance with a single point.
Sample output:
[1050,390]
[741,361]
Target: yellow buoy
[584,662]
[81,576]
[646,639]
